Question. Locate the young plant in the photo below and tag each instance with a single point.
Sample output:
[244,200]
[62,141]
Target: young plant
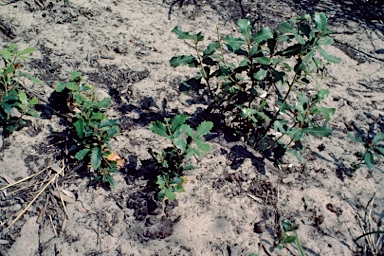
[171,162]
[14,102]
[373,149]
[265,83]
[93,129]
[289,236]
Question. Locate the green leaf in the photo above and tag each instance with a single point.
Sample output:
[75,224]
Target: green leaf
[23,98]
[33,101]
[177,122]
[169,194]
[180,144]
[321,95]
[368,159]
[263,35]
[108,122]
[292,50]
[60,87]
[300,39]
[191,151]
[79,125]
[326,40]
[233,43]
[81,154]
[355,139]
[296,154]
[212,47]
[181,34]
[309,56]
[328,57]
[27,51]
[198,37]
[104,103]
[33,113]
[188,167]
[262,60]
[205,147]
[260,75]
[327,112]
[286,27]
[380,149]
[182,60]
[289,240]
[378,138]
[111,181]
[319,131]
[96,158]
[296,134]
[159,128]
[187,129]
[320,20]
[245,28]
[203,129]
[73,86]
[32,78]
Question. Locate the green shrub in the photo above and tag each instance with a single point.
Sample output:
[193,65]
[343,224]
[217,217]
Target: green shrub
[265,84]
[93,129]
[14,102]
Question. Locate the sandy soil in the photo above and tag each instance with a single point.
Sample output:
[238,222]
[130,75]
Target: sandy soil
[124,47]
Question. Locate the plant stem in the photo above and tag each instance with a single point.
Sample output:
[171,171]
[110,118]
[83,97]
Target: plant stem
[291,85]
[205,75]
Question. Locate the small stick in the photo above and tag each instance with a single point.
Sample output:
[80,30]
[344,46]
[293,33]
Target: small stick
[26,178]
[53,226]
[33,200]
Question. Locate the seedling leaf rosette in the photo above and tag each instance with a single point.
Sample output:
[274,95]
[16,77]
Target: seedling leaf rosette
[171,162]
[93,130]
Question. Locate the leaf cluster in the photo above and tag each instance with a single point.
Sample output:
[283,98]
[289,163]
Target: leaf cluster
[171,162]
[289,236]
[260,81]
[93,129]
[14,102]
[373,149]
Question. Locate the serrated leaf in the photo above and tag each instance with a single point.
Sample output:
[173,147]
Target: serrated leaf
[23,98]
[182,60]
[262,60]
[191,151]
[33,101]
[263,35]
[79,125]
[327,112]
[309,56]
[319,131]
[181,34]
[187,129]
[300,39]
[169,194]
[233,43]
[104,103]
[205,147]
[286,27]
[245,28]
[180,144]
[96,158]
[296,134]
[159,128]
[328,57]
[81,154]
[320,20]
[212,47]
[203,129]
[177,122]
[108,122]
[369,161]
[260,75]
